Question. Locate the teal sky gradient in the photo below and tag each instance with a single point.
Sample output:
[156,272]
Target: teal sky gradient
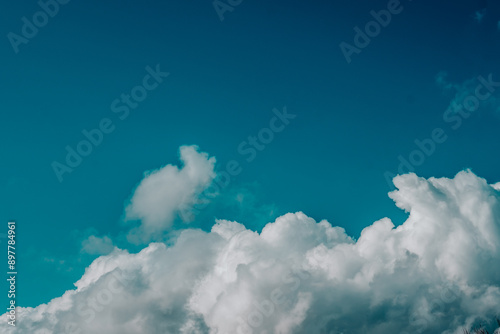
[353,120]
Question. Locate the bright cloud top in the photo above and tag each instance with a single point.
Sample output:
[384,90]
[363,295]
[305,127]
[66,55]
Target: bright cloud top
[434,274]
[167,192]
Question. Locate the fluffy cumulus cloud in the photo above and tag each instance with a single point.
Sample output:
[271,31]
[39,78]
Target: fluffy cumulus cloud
[436,273]
[169,192]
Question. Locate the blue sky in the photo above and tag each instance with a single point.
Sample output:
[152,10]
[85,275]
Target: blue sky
[352,121]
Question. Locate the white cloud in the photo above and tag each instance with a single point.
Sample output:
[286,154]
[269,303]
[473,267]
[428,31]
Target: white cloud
[169,192]
[434,274]
[97,246]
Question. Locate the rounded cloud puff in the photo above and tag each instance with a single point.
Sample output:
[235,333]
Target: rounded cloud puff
[168,192]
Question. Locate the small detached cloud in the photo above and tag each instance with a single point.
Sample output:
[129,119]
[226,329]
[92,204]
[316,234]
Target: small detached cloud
[436,273]
[97,246]
[479,15]
[166,193]
[470,94]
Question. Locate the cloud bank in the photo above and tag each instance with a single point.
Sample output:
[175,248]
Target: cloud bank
[436,273]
